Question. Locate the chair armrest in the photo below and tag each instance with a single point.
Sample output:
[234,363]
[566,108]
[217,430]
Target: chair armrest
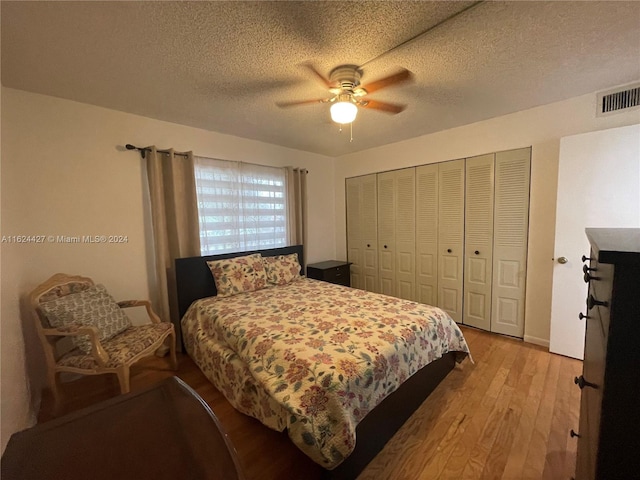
[141,303]
[97,350]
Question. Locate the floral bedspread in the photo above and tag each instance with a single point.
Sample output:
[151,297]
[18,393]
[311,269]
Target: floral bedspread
[313,357]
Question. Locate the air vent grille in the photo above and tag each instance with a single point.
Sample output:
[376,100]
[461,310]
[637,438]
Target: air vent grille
[620,99]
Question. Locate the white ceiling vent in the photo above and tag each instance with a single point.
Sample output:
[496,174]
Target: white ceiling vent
[620,98]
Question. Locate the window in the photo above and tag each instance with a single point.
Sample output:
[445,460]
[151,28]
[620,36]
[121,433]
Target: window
[241,206]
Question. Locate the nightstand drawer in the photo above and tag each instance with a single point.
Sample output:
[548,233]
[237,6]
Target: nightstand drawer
[340,278]
[331,271]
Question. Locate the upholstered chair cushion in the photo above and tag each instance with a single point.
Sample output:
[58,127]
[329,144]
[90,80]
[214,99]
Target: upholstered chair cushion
[90,307]
[282,269]
[238,275]
[121,349]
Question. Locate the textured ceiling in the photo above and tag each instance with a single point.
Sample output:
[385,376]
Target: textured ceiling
[222,66]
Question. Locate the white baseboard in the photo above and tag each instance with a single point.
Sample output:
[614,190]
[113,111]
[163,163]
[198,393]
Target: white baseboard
[543,342]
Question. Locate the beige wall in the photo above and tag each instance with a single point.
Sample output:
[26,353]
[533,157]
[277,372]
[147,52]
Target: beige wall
[63,174]
[540,128]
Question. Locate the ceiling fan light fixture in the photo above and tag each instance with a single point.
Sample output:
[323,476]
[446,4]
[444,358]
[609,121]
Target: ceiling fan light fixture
[343,111]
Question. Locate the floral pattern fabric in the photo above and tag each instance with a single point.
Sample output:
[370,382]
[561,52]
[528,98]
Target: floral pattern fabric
[238,275]
[90,307]
[282,269]
[314,357]
[65,289]
[121,348]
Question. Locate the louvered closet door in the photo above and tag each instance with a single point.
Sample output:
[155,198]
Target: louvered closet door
[511,225]
[427,234]
[405,233]
[451,237]
[369,229]
[354,230]
[478,255]
[386,233]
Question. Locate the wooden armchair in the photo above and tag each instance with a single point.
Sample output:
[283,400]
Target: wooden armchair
[73,306]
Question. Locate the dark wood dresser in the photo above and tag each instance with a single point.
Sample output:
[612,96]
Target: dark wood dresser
[609,434]
[332,271]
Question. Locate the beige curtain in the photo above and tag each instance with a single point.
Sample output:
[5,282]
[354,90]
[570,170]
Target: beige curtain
[174,214]
[297,207]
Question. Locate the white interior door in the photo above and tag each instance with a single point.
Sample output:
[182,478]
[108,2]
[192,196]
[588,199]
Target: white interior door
[354,233]
[427,234]
[369,229]
[386,232]
[478,248]
[598,186]
[451,237]
[510,239]
[405,230]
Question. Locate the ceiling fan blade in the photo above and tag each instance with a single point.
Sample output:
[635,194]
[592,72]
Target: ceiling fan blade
[318,75]
[300,102]
[383,106]
[402,76]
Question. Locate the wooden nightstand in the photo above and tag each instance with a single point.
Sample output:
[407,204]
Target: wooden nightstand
[332,271]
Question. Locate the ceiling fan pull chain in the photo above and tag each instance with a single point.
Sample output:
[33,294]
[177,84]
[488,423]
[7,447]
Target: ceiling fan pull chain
[351,126]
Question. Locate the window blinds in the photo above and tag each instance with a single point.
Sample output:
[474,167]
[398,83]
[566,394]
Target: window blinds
[241,206]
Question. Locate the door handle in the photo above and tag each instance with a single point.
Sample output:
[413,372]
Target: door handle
[562,260]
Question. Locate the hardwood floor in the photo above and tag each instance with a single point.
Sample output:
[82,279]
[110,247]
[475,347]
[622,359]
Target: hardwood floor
[507,416]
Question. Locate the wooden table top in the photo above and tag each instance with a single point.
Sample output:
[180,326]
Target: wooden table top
[165,432]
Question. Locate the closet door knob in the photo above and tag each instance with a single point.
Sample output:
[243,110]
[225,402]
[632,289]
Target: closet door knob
[477,252]
[448,250]
[574,434]
[582,316]
[581,382]
[584,259]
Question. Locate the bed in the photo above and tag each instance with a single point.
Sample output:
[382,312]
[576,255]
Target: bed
[327,363]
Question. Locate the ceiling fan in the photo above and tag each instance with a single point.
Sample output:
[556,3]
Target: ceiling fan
[347,94]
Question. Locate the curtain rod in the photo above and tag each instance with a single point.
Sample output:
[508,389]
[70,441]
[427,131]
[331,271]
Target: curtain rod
[143,151]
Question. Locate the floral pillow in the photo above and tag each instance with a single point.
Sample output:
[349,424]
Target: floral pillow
[91,307]
[282,269]
[238,275]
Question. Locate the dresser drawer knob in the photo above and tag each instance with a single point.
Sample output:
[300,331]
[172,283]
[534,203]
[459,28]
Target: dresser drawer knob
[592,302]
[448,250]
[574,434]
[584,259]
[581,382]
[368,245]
[588,278]
[582,316]
[586,269]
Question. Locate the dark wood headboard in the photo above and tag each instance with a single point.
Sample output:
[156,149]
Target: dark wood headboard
[194,279]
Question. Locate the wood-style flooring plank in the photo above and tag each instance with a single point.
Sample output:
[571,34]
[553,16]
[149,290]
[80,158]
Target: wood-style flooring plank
[534,463]
[563,421]
[486,365]
[524,430]
[494,378]
[497,458]
[505,416]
